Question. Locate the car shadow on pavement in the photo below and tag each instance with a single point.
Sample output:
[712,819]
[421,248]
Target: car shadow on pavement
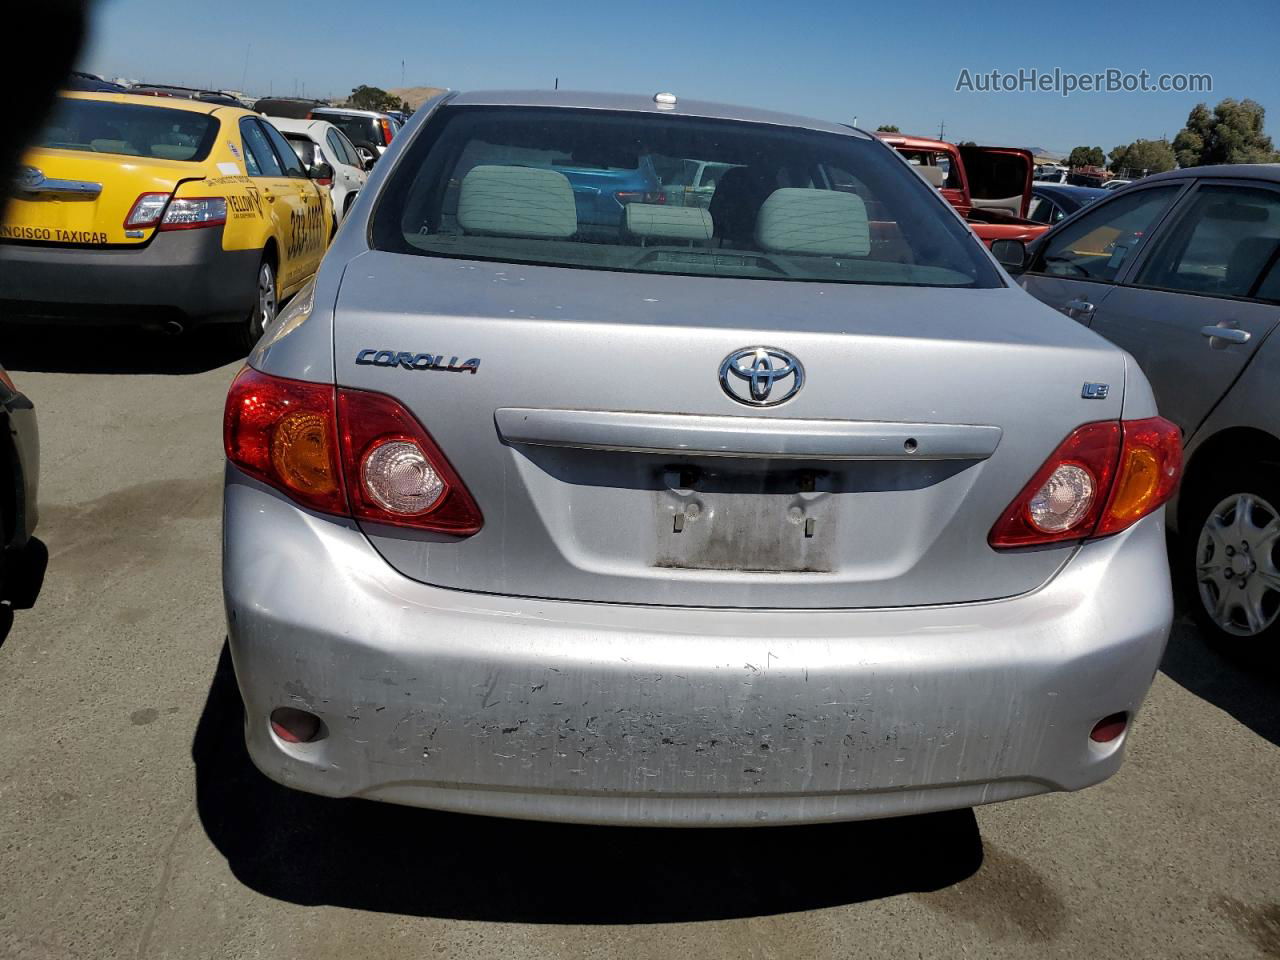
[1249,691]
[63,350]
[312,850]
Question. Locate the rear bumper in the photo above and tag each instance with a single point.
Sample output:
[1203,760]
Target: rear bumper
[625,714]
[183,275]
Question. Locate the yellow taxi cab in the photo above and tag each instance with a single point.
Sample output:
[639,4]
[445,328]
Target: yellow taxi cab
[160,212]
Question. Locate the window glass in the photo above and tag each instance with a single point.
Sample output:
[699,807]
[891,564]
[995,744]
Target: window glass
[1220,246]
[303,146]
[1042,210]
[933,158]
[260,160]
[581,188]
[338,147]
[292,165]
[131,130]
[1098,245]
[358,129]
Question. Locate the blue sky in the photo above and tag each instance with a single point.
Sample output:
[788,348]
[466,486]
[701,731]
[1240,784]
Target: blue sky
[882,62]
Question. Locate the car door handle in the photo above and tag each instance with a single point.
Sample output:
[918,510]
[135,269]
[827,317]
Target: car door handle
[1080,306]
[1226,331]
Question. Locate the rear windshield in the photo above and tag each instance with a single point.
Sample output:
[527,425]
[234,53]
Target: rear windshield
[651,193]
[358,129]
[131,130]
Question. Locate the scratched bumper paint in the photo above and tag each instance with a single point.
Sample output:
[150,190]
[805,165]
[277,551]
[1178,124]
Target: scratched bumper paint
[610,713]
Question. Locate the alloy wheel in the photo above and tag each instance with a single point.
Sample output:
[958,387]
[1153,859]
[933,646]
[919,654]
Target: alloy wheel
[1236,569]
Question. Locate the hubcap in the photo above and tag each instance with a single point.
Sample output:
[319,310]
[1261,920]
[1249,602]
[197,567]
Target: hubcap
[266,294]
[1236,564]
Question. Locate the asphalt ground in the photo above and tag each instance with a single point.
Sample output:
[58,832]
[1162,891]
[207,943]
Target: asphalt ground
[133,825]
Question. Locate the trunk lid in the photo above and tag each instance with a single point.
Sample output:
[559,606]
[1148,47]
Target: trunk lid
[999,177]
[78,198]
[611,465]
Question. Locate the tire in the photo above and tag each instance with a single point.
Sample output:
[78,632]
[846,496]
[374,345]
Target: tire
[1230,561]
[265,304]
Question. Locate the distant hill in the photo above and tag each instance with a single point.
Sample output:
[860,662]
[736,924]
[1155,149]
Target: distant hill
[416,96]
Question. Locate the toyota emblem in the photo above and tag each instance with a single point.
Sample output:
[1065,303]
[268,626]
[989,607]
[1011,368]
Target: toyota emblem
[761,376]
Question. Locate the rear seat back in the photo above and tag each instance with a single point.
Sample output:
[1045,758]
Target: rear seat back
[654,221]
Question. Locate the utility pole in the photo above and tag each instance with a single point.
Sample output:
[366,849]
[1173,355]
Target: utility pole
[401,73]
[557,86]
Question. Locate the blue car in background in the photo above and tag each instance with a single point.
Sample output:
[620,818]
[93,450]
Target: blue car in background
[601,193]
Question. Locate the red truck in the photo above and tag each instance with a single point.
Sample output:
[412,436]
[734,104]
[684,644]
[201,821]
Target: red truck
[989,186]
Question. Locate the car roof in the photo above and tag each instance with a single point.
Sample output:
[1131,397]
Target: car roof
[1246,171]
[290,125]
[635,103]
[915,143]
[1065,189]
[348,110]
[167,103]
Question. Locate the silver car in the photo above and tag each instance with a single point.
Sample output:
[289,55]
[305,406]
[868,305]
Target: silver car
[788,507]
[1183,271]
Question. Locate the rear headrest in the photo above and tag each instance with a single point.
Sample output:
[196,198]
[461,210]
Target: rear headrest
[115,146]
[171,151]
[517,202]
[801,220]
[932,175]
[653,220]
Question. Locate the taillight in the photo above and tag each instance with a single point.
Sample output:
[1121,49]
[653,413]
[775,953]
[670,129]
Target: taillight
[323,181]
[284,432]
[385,124]
[382,466]
[1103,478]
[395,472]
[188,213]
[639,196]
[146,210]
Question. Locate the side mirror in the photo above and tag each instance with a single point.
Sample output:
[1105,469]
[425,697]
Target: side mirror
[320,171]
[1012,254]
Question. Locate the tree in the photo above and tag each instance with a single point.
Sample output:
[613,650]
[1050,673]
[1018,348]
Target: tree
[887,128]
[1086,157]
[1143,157]
[1232,133]
[374,98]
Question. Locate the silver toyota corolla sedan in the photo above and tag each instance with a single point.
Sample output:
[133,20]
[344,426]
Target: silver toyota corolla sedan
[568,493]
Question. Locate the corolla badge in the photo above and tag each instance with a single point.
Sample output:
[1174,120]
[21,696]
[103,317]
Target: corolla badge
[416,361]
[761,376]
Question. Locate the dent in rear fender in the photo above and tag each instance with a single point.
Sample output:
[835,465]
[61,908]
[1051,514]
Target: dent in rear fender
[305,351]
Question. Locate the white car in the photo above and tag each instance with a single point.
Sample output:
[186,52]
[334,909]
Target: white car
[1116,183]
[314,140]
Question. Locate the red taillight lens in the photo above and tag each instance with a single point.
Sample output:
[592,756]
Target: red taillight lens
[323,181]
[284,432]
[1103,478]
[395,472]
[1150,467]
[386,130]
[639,196]
[146,210]
[382,466]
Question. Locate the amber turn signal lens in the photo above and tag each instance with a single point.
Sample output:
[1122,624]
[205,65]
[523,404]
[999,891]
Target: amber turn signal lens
[302,455]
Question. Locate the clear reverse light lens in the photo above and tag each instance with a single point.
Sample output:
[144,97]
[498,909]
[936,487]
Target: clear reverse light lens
[400,479]
[147,209]
[1063,500]
[203,210]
